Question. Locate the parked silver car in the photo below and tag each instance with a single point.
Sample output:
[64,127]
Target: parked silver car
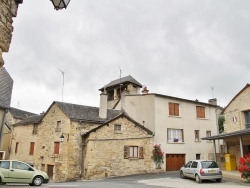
[201,170]
[20,172]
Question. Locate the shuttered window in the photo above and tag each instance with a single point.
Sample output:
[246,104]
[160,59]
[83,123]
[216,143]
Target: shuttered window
[32,146]
[200,111]
[132,152]
[173,109]
[56,147]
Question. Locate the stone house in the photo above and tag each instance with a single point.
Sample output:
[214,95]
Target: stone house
[178,124]
[236,136]
[37,141]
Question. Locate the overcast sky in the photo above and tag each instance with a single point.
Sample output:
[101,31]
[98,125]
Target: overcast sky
[180,48]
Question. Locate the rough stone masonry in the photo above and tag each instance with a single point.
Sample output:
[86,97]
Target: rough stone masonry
[8,10]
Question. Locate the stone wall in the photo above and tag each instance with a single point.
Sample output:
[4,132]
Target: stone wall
[8,10]
[236,109]
[104,151]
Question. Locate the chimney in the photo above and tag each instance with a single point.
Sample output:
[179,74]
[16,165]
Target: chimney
[212,101]
[103,105]
[144,90]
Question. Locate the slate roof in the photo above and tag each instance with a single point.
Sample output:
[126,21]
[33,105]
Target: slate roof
[6,84]
[20,114]
[123,114]
[30,120]
[85,113]
[126,79]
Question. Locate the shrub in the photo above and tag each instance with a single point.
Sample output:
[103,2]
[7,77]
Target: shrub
[244,167]
[157,156]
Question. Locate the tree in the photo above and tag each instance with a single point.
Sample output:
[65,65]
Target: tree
[221,121]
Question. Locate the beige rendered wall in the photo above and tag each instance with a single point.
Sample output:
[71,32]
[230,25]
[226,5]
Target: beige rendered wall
[154,111]
[104,151]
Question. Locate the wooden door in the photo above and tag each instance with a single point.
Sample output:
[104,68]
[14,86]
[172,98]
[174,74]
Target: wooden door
[174,161]
[50,171]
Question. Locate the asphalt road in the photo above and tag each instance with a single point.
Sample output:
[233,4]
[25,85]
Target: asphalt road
[167,179]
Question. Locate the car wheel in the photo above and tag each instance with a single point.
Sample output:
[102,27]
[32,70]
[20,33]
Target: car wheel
[31,184]
[197,178]
[182,175]
[219,180]
[37,181]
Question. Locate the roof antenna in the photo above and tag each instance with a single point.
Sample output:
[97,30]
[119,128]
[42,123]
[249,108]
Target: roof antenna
[63,83]
[120,83]
[212,89]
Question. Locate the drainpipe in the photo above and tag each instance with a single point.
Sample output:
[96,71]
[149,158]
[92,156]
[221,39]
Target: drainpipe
[2,129]
[241,147]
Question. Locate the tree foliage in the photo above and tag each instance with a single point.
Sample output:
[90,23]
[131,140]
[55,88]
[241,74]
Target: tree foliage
[157,155]
[244,167]
[221,121]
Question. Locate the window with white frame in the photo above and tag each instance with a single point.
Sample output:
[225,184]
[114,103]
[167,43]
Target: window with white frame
[197,135]
[175,135]
[133,152]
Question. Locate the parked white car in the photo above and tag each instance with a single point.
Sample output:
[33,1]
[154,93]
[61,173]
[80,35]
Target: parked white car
[19,172]
[201,170]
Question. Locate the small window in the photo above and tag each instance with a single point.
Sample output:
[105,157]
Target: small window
[58,126]
[56,147]
[208,133]
[35,128]
[173,109]
[117,128]
[200,111]
[32,146]
[198,156]
[197,135]
[16,148]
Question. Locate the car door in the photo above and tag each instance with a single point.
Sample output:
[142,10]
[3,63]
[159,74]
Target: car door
[186,169]
[5,169]
[193,170]
[21,172]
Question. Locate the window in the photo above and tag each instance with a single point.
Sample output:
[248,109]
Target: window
[208,133]
[16,148]
[58,126]
[200,111]
[56,147]
[35,127]
[198,156]
[175,135]
[5,164]
[247,119]
[20,166]
[117,128]
[194,164]
[32,146]
[133,152]
[173,109]
[197,135]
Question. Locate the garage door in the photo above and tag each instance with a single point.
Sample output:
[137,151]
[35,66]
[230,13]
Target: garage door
[174,161]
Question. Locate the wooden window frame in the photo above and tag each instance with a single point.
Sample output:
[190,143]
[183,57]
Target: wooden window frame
[32,148]
[174,109]
[129,155]
[200,112]
[56,147]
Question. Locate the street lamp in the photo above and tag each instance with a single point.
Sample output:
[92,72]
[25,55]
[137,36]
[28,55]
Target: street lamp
[60,4]
[62,138]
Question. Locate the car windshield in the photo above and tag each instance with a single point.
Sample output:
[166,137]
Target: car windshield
[209,164]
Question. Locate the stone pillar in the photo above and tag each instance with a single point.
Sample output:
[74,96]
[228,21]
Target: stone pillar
[8,10]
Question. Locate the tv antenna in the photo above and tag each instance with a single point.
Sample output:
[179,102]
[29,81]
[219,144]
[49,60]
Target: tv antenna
[212,90]
[63,83]
[120,82]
